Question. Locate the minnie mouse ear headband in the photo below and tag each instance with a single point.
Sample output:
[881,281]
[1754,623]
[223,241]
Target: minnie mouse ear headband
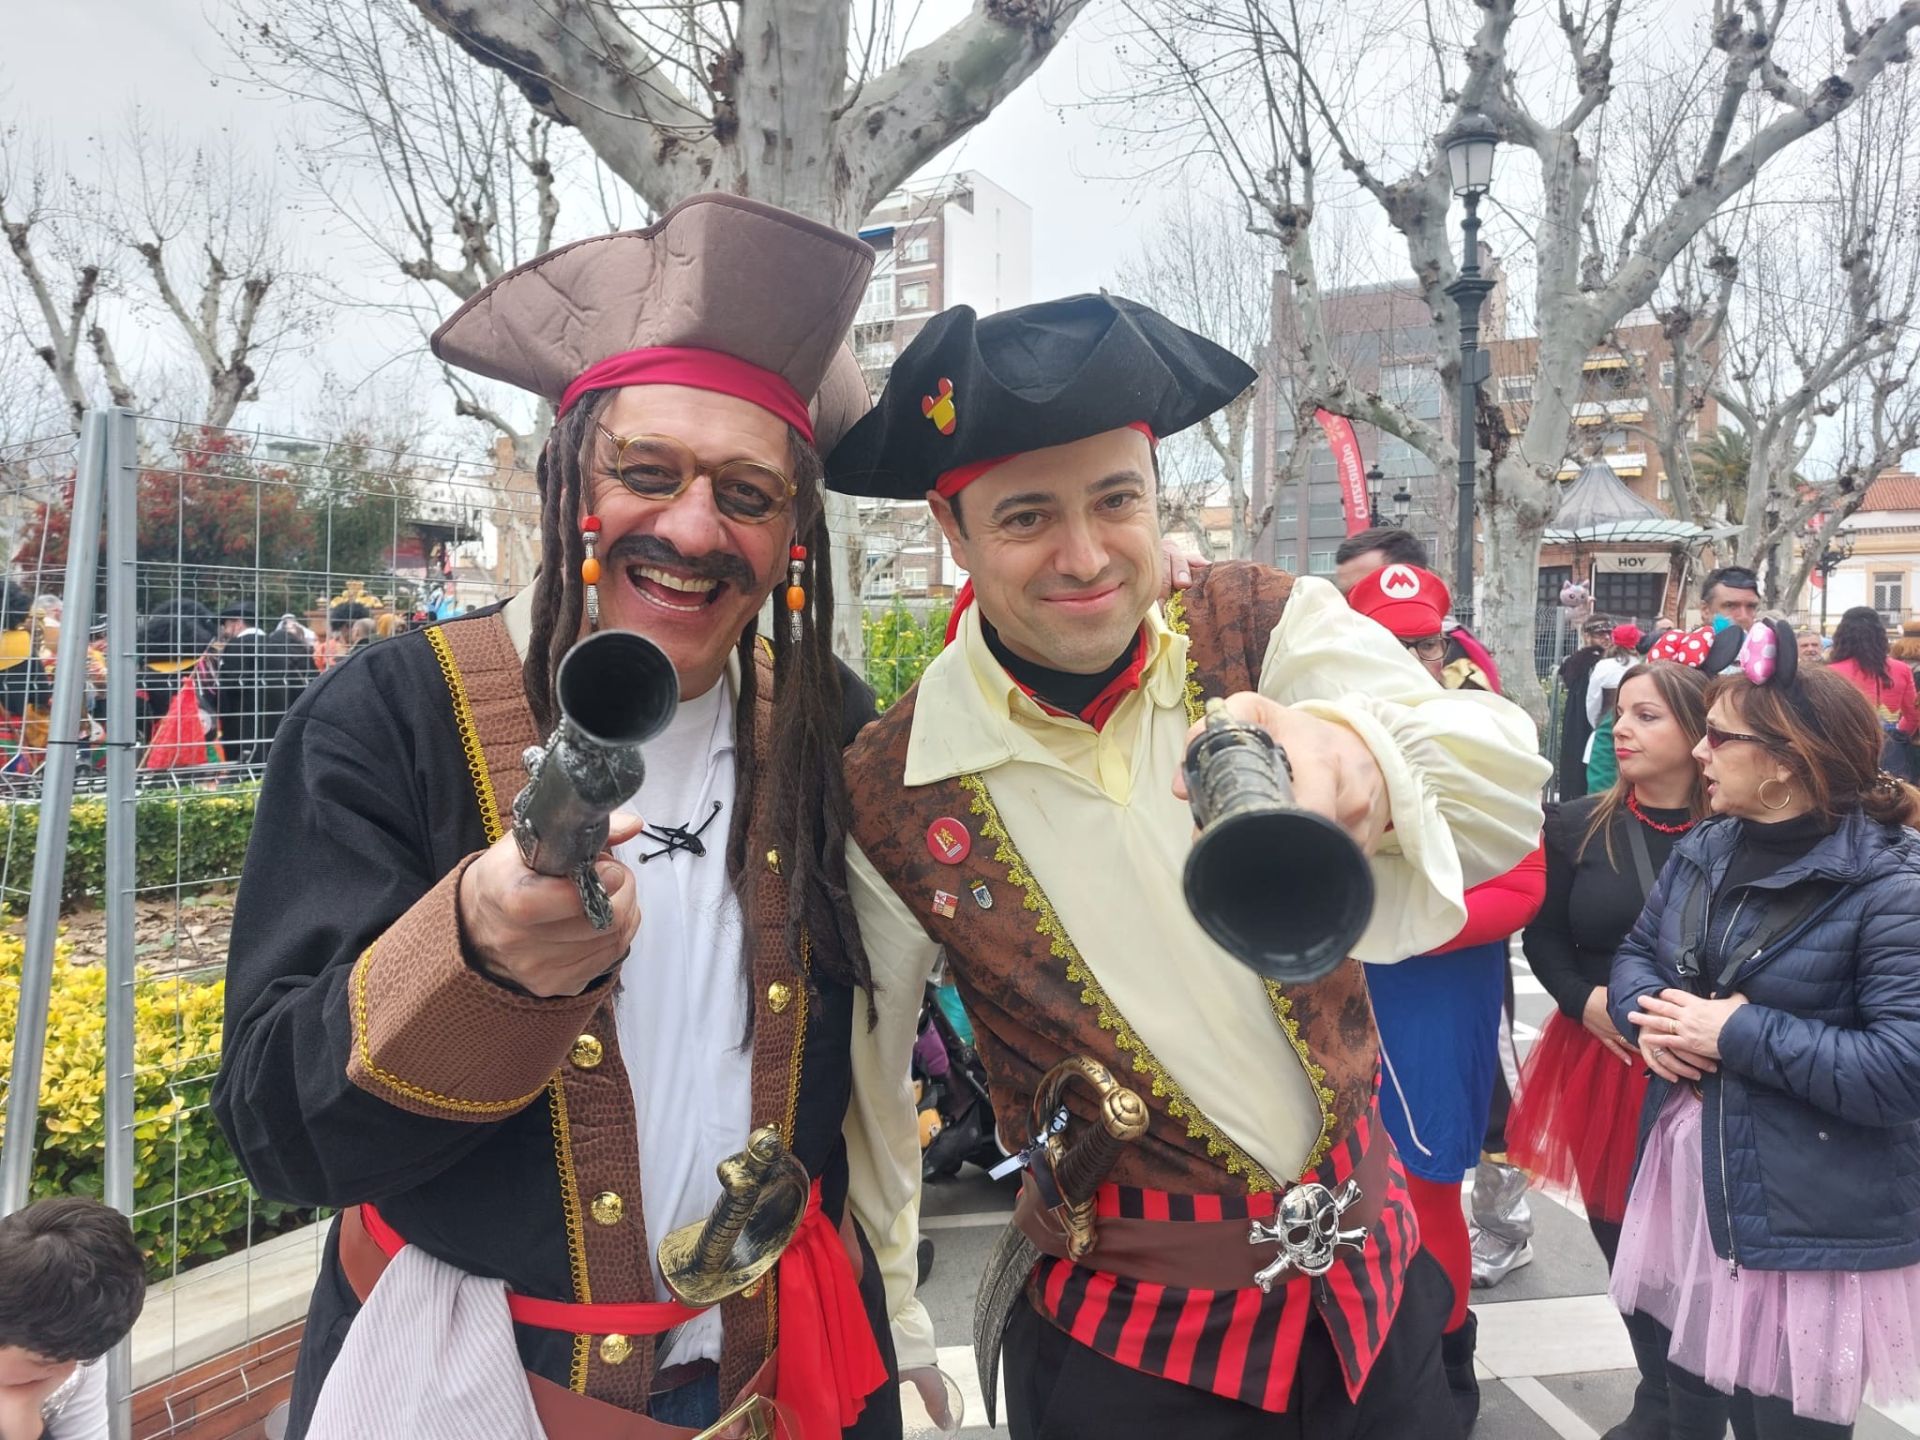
[1766,654]
[1683,647]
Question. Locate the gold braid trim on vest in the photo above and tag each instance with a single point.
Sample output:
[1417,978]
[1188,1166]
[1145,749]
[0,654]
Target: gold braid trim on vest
[493,823]
[1165,1088]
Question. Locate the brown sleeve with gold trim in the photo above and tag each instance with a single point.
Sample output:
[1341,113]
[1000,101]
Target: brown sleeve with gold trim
[366,808]
[434,1036]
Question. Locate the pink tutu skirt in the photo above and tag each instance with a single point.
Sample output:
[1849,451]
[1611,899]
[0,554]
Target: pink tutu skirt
[1818,1338]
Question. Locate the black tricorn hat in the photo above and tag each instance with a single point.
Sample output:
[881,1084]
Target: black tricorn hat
[241,610]
[973,388]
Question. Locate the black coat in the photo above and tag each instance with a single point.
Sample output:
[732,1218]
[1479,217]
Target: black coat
[368,802]
[1575,728]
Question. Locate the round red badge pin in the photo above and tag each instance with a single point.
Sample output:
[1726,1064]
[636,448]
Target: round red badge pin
[948,840]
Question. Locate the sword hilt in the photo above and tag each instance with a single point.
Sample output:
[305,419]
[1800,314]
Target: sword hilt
[741,1177]
[1082,1157]
[763,1198]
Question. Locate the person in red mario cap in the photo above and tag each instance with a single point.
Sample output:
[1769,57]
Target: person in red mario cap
[1439,1014]
[1413,603]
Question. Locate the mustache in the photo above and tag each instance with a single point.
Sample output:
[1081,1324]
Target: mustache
[637,549]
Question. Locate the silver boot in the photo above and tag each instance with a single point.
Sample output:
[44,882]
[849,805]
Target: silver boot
[1502,1223]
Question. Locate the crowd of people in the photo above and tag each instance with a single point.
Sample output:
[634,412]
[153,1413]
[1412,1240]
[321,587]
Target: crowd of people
[1860,649]
[211,686]
[513,1085]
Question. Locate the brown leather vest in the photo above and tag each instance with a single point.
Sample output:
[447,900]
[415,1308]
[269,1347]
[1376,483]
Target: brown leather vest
[1032,999]
[596,1137]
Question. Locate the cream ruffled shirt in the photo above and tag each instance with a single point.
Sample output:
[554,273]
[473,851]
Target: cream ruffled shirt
[1095,817]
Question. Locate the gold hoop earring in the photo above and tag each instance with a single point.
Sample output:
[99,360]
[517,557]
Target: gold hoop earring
[1775,780]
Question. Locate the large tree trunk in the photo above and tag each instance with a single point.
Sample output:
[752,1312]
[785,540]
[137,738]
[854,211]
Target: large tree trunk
[780,118]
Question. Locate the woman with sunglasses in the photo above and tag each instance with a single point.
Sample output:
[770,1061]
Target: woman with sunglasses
[1576,1121]
[1773,1230]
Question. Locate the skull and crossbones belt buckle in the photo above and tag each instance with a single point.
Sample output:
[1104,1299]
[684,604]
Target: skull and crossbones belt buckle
[1308,1228]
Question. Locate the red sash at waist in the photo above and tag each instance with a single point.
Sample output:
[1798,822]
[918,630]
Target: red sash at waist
[829,1360]
[572,1317]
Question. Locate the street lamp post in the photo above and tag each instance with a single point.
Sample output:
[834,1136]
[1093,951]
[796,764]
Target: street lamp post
[1469,148]
[1375,475]
[1835,554]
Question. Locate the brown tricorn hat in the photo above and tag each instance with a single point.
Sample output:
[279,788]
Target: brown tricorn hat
[717,272]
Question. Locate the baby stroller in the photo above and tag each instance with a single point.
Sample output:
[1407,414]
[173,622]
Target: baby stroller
[950,1083]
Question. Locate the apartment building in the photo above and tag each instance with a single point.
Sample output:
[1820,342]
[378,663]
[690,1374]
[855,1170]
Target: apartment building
[956,240]
[1384,337]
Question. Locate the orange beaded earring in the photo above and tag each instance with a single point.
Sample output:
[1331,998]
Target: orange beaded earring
[590,569]
[796,593]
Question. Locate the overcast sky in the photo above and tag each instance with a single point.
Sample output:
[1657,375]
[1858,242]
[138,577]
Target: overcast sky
[72,70]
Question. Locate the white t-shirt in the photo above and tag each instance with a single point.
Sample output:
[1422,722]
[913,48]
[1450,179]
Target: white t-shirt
[682,1008]
[78,1409]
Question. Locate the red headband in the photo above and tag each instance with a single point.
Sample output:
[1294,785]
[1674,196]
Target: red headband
[697,370]
[953,481]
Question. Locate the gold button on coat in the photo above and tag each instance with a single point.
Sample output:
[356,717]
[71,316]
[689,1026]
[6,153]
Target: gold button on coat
[614,1349]
[587,1052]
[779,996]
[773,861]
[607,1208]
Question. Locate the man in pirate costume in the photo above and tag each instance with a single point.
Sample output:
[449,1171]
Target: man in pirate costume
[1018,808]
[427,1034]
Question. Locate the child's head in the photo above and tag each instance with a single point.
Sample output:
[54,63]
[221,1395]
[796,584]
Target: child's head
[71,1286]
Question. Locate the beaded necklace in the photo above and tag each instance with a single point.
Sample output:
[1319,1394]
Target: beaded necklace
[1633,808]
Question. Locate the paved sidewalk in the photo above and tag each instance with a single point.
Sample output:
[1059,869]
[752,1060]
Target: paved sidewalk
[1554,1359]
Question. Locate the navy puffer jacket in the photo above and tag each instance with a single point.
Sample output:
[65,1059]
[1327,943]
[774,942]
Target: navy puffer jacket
[1812,1133]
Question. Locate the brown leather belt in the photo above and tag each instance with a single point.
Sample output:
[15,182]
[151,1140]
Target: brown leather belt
[562,1412]
[672,1377]
[1193,1254]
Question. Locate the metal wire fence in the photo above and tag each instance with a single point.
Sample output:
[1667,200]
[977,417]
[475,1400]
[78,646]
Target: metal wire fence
[197,581]
[173,590]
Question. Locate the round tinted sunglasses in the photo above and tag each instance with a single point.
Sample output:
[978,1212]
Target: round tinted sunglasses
[658,467]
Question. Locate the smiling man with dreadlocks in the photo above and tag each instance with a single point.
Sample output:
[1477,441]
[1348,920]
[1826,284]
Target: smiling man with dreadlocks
[510,1107]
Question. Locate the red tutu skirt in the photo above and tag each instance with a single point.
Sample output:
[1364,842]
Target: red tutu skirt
[1576,1118]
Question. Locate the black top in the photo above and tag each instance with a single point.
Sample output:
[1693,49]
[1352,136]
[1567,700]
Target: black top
[1575,671]
[1767,849]
[24,684]
[1591,901]
[1062,689]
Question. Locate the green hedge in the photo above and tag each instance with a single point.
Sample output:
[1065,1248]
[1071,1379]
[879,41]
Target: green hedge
[900,647]
[178,1148]
[188,837]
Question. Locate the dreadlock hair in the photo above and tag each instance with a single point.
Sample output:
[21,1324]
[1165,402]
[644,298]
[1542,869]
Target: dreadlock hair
[806,804]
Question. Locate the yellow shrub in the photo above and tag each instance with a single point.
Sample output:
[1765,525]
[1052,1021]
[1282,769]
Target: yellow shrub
[178,1147]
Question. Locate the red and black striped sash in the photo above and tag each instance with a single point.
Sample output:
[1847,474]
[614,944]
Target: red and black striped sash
[1242,1344]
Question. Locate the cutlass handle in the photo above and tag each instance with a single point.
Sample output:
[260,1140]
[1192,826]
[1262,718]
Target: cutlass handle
[1082,1158]
[741,1177]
